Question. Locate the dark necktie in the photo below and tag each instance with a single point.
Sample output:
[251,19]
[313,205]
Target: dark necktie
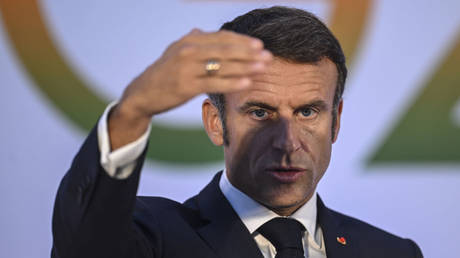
[286,235]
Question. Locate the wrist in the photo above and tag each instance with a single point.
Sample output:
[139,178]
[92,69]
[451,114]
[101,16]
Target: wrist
[125,125]
[128,117]
[130,111]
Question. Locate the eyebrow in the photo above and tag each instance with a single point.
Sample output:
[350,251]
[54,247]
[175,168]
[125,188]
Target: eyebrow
[317,103]
[251,104]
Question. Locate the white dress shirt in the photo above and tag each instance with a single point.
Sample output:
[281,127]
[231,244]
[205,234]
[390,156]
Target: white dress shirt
[121,162]
[254,215]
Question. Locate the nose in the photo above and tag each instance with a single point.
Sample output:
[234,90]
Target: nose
[286,136]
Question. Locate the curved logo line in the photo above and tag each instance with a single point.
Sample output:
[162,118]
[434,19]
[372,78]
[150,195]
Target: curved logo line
[427,132]
[75,99]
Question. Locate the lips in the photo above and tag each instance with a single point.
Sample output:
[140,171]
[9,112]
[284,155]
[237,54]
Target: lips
[286,174]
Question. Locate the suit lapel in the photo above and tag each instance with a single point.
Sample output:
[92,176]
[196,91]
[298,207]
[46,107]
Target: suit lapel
[339,242]
[225,233]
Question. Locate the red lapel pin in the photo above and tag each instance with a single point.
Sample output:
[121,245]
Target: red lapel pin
[342,240]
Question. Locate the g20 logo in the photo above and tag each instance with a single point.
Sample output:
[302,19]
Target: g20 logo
[426,133]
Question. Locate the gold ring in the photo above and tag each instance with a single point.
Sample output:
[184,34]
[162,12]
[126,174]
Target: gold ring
[212,67]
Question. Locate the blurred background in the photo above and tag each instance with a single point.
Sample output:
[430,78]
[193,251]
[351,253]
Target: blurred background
[397,161]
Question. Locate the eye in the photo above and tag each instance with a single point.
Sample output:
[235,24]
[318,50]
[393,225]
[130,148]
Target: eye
[308,112]
[259,114]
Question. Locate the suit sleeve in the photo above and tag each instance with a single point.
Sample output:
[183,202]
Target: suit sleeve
[416,248]
[93,211]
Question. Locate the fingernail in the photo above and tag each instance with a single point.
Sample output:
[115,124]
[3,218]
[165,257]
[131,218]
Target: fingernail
[257,43]
[266,55]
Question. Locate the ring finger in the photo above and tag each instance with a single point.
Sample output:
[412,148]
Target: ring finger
[230,68]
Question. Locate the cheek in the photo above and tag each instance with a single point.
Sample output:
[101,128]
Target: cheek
[323,153]
[316,140]
[246,144]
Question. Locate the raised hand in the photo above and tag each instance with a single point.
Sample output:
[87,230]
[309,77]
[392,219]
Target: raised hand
[197,63]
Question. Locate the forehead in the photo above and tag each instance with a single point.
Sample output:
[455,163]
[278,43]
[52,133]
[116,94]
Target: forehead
[292,83]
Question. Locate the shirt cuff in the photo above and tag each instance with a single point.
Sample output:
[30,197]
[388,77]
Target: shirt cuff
[120,163]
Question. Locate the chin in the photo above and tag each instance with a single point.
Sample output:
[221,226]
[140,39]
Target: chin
[285,201]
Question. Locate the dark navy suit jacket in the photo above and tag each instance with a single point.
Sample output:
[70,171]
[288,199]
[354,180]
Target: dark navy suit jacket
[99,216]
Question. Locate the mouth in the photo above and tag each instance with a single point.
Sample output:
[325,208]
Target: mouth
[286,174]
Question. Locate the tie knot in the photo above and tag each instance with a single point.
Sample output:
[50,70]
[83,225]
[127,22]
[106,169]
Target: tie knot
[283,233]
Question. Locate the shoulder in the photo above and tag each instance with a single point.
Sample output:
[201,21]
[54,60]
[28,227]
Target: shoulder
[354,224]
[376,240]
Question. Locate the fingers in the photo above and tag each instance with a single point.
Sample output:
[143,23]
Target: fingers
[224,85]
[232,52]
[240,57]
[204,47]
[223,45]
[197,36]
[233,60]
[231,69]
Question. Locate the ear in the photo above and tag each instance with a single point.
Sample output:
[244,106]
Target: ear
[337,121]
[212,123]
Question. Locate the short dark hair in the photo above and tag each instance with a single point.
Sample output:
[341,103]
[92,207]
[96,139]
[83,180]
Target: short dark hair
[291,34]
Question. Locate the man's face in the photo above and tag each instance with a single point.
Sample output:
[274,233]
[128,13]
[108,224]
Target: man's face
[280,133]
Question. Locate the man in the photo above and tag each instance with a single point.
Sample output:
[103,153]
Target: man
[275,85]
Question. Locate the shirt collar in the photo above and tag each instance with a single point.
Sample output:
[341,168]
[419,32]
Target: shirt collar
[254,215]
